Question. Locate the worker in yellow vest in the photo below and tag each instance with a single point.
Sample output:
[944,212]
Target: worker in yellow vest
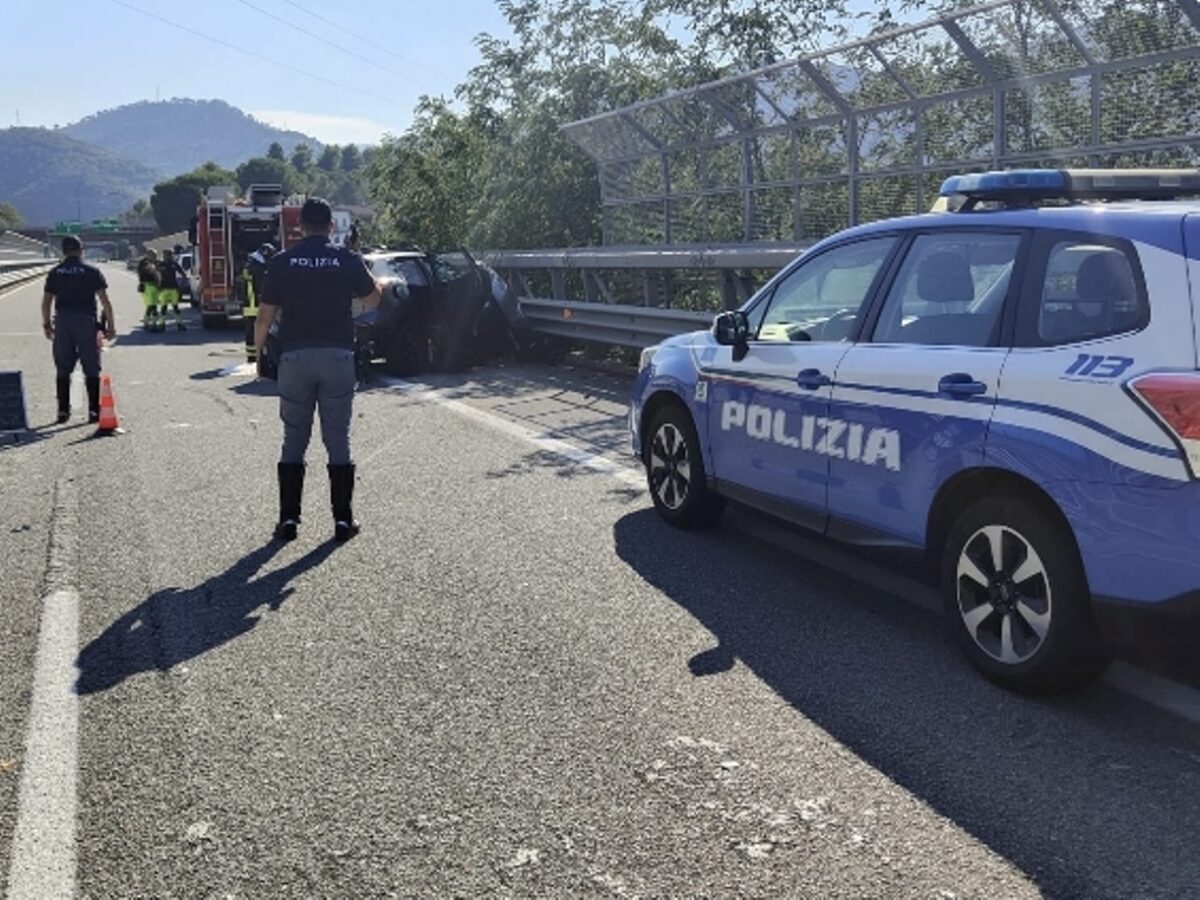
[252,284]
[148,281]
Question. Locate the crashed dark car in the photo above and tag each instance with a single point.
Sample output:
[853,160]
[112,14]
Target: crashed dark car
[439,312]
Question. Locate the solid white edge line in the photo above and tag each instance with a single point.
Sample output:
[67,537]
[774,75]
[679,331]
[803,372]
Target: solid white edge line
[43,850]
[43,859]
[1163,693]
[1174,697]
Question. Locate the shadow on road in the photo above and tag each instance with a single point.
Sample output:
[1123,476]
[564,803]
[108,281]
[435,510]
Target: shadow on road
[15,440]
[195,335]
[178,624]
[1091,794]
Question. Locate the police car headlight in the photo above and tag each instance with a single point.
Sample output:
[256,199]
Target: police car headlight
[647,357]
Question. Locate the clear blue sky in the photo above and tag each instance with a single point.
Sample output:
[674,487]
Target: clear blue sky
[60,61]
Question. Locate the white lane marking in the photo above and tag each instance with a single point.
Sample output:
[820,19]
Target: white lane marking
[543,440]
[43,855]
[1180,699]
[44,847]
[1163,693]
[240,370]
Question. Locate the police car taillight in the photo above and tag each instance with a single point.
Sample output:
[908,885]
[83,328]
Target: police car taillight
[1174,399]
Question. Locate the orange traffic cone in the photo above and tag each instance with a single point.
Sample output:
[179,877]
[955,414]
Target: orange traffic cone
[108,408]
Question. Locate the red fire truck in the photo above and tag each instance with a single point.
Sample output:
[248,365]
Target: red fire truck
[229,229]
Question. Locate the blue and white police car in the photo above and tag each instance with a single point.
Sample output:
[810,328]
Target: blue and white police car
[1011,387]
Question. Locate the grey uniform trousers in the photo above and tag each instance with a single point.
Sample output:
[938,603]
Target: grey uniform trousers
[320,379]
[75,341]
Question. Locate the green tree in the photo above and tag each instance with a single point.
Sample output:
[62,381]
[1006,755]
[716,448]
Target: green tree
[302,158]
[351,158]
[331,157]
[275,151]
[268,170]
[138,211]
[9,216]
[425,180]
[174,201]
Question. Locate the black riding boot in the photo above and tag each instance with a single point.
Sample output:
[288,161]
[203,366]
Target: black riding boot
[93,392]
[291,489]
[62,387]
[341,495]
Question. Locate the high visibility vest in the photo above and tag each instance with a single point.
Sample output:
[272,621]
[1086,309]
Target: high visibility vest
[251,308]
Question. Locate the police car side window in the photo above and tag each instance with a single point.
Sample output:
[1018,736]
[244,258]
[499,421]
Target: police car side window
[1089,290]
[950,290]
[823,298]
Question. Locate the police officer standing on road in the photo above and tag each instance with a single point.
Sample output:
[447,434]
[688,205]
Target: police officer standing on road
[72,286]
[313,285]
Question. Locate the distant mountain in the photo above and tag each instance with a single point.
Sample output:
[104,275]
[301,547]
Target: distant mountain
[49,176]
[176,136]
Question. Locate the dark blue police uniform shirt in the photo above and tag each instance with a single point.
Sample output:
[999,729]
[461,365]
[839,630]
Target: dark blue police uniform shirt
[74,285]
[314,284]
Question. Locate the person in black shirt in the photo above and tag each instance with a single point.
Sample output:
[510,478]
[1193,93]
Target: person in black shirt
[313,286]
[72,286]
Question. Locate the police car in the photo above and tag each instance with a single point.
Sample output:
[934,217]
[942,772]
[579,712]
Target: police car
[1010,387]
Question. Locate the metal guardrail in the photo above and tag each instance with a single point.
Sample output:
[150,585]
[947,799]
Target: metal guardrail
[610,323]
[15,272]
[662,274]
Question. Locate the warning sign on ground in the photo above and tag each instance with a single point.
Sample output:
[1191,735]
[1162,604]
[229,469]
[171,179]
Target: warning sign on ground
[12,403]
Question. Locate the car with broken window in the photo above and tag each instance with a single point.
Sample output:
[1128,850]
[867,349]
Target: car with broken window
[440,311]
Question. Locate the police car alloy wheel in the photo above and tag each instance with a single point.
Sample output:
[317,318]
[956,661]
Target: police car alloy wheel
[670,468]
[1004,594]
[675,471]
[1017,598]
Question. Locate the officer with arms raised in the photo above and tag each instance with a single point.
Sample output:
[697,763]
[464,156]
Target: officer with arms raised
[313,286]
[72,286]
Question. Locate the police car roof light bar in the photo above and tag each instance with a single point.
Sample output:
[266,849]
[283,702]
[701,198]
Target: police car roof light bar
[1023,186]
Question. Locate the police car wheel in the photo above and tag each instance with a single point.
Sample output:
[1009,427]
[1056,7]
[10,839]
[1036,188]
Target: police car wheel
[1017,598]
[675,472]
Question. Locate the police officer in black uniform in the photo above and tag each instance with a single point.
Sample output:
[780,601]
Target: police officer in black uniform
[313,285]
[72,286]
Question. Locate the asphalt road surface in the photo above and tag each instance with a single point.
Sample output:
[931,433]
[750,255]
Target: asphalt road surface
[516,682]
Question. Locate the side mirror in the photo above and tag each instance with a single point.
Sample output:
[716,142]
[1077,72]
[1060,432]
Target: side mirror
[732,329]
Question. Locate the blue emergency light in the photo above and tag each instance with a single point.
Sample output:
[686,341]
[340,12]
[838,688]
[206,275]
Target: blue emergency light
[1027,185]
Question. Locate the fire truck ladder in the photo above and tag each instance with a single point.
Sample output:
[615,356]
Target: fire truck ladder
[217,258]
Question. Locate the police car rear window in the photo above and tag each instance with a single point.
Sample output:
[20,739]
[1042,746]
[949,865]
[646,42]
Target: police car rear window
[1089,290]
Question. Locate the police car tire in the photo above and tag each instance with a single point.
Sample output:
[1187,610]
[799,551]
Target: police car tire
[701,507]
[1071,654]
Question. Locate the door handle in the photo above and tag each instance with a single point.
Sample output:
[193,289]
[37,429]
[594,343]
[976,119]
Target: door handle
[811,379]
[961,384]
